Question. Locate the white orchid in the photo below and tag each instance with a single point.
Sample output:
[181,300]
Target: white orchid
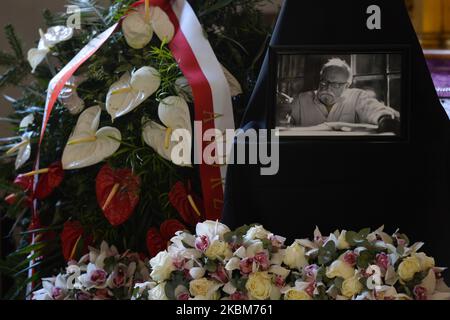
[86,145]
[174,113]
[23,148]
[139,25]
[69,95]
[131,90]
[52,37]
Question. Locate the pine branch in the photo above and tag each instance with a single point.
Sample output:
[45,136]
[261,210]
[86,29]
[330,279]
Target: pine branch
[14,42]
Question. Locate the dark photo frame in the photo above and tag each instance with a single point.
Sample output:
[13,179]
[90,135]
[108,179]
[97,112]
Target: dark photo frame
[340,92]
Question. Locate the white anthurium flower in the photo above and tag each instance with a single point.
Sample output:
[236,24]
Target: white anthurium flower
[87,145]
[52,37]
[131,90]
[138,26]
[69,95]
[174,113]
[213,230]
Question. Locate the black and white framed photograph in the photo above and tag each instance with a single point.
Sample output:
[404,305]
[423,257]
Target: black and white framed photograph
[339,92]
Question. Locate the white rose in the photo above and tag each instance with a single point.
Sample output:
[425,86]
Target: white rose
[295,256]
[162,266]
[158,292]
[257,232]
[211,229]
[340,269]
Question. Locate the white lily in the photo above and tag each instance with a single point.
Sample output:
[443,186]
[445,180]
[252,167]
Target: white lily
[138,26]
[53,36]
[173,112]
[23,148]
[69,95]
[87,145]
[131,90]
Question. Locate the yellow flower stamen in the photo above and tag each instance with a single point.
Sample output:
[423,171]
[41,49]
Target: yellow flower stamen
[192,203]
[82,140]
[35,172]
[111,196]
[167,138]
[17,147]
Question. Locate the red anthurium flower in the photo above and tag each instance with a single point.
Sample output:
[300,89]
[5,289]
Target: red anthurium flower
[117,193]
[155,242]
[49,180]
[26,184]
[71,236]
[188,205]
[169,227]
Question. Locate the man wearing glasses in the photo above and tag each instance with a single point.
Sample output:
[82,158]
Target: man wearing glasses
[335,101]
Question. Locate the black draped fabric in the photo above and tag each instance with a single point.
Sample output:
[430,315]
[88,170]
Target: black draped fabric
[350,185]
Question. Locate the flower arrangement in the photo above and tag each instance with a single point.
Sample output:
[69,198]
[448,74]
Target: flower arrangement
[251,263]
[99,275]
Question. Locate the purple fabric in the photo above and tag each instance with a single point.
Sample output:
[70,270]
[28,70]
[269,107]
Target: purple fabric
[440,72]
